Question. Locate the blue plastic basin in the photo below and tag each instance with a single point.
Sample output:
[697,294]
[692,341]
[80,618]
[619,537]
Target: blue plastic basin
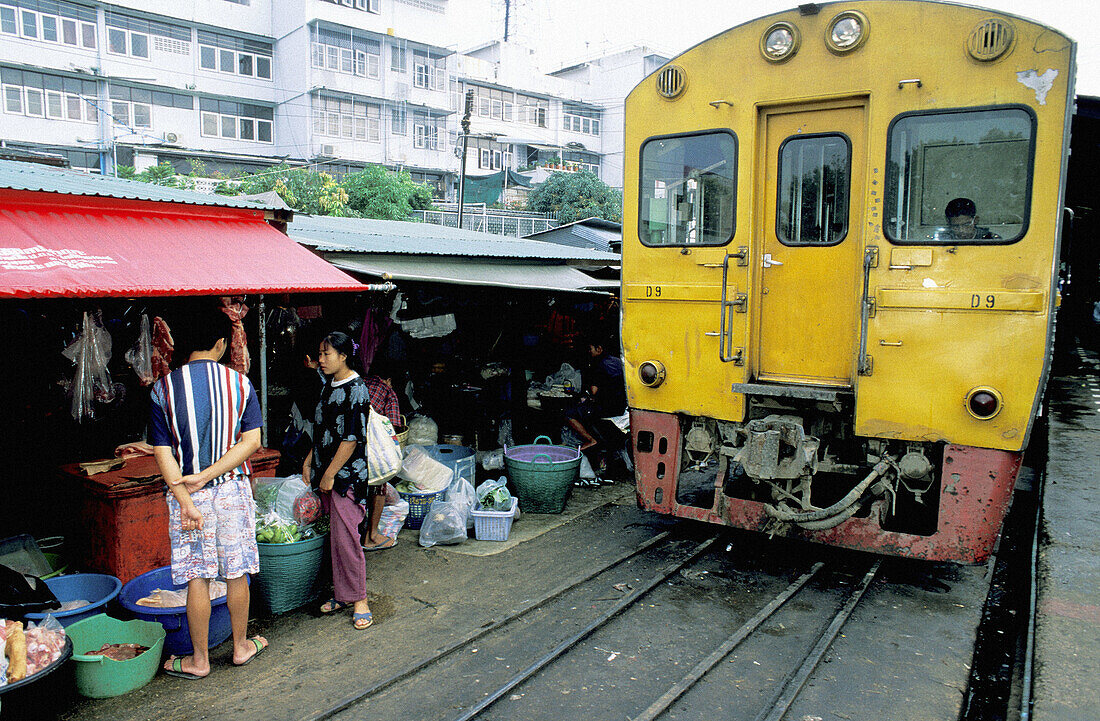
[177,640]
[98,589]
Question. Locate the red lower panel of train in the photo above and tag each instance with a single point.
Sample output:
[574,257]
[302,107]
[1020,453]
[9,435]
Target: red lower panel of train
[975,492]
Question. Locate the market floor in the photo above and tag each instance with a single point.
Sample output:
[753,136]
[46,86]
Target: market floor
[422,598]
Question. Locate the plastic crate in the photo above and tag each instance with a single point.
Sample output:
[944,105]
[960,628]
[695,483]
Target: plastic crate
[494,525]
[419,503]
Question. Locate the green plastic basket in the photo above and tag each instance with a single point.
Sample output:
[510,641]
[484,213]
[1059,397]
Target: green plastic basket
[100,677]
[288,572]
[542,474]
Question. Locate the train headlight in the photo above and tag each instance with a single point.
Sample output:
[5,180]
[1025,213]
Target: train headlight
[779,42]
[651,373]
[847,31]
[984,403]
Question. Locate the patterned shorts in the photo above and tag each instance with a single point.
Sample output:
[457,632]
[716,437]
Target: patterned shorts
[226,545]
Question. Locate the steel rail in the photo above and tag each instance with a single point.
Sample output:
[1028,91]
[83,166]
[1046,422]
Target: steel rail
[794,683]
[576,638]
[693,676]
[352,699]
[1033,600]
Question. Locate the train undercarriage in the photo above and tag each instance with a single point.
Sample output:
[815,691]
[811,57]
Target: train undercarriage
[794,468]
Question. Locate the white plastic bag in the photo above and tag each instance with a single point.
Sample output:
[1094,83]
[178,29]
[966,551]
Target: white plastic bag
[494,495]
[423,431]
[393,518]
[424,472]
[289,498]
[444,524]
[383,450]
[461,492]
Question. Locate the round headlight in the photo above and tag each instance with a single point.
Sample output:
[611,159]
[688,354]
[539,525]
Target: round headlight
[779,42]
[847,31]
[983,403]
[651,373]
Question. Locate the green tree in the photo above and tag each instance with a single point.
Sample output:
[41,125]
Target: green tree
[576,196]
[377,193]
[305,191]
[163,174]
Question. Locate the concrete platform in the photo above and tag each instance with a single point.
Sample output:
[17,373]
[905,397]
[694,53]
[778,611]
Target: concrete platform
[1067,636]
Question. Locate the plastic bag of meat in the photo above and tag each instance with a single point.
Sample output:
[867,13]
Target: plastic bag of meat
[140,355]
[90,352]
[45,643]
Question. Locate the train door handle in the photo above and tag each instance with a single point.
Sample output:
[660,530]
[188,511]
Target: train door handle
[768,262]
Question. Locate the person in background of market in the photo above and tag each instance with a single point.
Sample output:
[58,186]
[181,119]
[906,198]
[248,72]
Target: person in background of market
[603,392]
[337,467]
[204,424]
[305,390]
[384,401]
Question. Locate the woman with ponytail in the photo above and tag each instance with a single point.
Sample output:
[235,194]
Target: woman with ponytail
[337,467]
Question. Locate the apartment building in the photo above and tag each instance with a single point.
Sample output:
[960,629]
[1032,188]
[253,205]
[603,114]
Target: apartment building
[239,85]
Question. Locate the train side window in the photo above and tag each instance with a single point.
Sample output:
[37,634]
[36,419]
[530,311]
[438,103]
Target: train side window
[815,177]
[688,189]
[980,159]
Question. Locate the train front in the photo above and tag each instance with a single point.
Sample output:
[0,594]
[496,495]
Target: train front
[840,233]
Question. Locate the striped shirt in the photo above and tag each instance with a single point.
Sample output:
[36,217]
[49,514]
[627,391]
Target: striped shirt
[200,411]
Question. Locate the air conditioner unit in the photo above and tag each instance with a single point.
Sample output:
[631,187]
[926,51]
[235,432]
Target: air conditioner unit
[329,151]
[172,138]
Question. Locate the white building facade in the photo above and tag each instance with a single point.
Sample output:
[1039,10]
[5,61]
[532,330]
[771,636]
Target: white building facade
[231,86]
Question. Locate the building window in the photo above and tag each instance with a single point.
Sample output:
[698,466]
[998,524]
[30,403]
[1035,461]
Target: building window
[429,70]
[54,22]
[40,95]
[398,60]
[370,6]
[237,56]
[347,118]
[236,121]
[398,121]
[531,110]
[581,120]
[131,36]
[346,51]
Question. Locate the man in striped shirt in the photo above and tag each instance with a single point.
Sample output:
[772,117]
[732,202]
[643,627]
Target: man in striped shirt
[204,424]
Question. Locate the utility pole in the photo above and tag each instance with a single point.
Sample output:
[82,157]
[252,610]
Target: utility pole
[507,17]
[465,140]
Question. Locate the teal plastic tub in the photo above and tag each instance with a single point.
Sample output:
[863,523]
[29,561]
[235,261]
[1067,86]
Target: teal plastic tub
[288,572]
[101,677]
[542,474]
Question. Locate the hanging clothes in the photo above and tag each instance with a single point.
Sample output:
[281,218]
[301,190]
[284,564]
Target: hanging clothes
[163,346]
[375,328]
[238,343]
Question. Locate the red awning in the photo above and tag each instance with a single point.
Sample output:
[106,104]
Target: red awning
[65,246]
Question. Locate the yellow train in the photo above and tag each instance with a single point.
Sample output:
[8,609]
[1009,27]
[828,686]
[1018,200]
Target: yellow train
[840,238]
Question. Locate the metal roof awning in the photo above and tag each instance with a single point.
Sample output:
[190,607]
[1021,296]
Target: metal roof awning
[68,246]
[474,271]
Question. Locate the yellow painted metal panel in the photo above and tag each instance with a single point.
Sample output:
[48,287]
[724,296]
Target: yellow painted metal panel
[672,292]
[976,300]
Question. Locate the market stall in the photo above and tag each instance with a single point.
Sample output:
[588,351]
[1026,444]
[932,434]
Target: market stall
[99,267]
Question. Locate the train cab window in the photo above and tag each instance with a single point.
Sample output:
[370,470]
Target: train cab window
[814,180]
[959,177]
[688,189]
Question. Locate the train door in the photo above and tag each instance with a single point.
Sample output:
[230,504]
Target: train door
[810,200]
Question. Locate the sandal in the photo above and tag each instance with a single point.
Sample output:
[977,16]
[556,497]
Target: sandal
[332,606]
[362,621]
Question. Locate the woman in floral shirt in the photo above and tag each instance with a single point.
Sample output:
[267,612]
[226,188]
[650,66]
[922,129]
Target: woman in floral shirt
[337,466]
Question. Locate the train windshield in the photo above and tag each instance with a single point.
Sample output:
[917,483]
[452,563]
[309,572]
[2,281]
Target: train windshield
[814,179]
[959,177]
[687,189]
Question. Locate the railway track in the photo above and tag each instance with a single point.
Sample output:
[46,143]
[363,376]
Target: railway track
[657,610]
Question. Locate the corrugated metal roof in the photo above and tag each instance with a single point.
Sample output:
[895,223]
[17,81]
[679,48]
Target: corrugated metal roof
[15,175]
[361,235]
[494,272]
[596,233]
